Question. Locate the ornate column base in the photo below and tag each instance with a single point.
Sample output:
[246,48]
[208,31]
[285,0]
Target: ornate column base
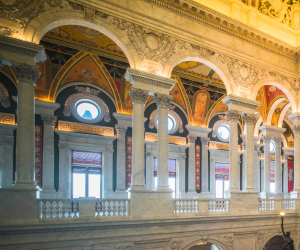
[243,203]
[121,194]
[227,193]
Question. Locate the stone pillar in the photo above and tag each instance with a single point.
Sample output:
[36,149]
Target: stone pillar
[257,167]
[233,117]
[285,177]
[212,177]
[163,102]
[121,161]
[191,166]
[204,165]
[182,192]
[48,190]
[149,168]
[278,165]
[250,121]
[267,164]
[138,97]
[7,151]
[27,76]
[63,184]
[108,173]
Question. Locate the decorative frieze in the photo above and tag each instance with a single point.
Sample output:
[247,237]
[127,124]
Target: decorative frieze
[138,95]
[163,101]
[152,137]
[78,127]
[7,118]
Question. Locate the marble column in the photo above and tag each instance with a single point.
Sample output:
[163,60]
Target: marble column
[233,117]
[250,121]
[285,177]
[48,190]
[108,173]
[278,165]
[138,97]
[204,165]
[7,151]
[257,167]
[163,102]
[121,159]
[63,184]
[150,183]
[191,165]
[182,192]
[27,76]
[267,164]
[212,177]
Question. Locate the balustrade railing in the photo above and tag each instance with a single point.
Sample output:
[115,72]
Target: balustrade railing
[185,206]
[59,208]
[288,204]
[81,207]
[266,204]
[217,206]
[108,208]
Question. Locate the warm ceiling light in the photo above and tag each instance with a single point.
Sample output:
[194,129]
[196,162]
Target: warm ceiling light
[201,243]
[282,214]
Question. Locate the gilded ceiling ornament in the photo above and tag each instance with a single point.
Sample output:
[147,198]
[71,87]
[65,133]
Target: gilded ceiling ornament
[284,11]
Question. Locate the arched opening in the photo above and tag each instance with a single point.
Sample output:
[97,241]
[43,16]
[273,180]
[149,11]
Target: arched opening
[205,246]
[275,243]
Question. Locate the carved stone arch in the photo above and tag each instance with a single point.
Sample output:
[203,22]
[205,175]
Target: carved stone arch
[257,125]
[219,240]
[263,237]
[206,57]
[280,83]
[111,26]
[273,108]
[217,123]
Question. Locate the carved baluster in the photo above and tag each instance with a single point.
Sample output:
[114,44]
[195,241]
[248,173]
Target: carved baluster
[51,209]
[106,208]
[98,205]
[75,209]
[44,210]
[64,207]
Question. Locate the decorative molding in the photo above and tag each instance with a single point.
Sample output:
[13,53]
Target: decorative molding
[177,245]
[25,72]
[88,94]
[46,105]
[49,120]
[6,118]
[178,122]
[138,95]
[266,139]
[4,96]
[62,146]
[277,140]
[205,141]
[163,101]
[233,115]
[223,121]
[152,137]
[9,142]
[249,118]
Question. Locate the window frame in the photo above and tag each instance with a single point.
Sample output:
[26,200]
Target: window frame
[86,172]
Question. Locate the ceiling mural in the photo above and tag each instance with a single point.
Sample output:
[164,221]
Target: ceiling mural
[277,112]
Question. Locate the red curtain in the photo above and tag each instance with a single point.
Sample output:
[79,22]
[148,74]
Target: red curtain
[291,176]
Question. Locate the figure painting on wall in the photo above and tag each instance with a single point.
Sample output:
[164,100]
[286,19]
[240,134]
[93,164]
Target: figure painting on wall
[200,104]
[125,98]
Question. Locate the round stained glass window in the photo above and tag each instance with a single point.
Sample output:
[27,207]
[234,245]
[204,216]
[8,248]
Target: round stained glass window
[224,132]
[87,110]
[171,123]
[272,146]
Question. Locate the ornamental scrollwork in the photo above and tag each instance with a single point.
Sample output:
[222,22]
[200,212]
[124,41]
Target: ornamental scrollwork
[177,245]
[49,120]
[163,101]
[138,95]
[25,72]
[233,115]
[249,119]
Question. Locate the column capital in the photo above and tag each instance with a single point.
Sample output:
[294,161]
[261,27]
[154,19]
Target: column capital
[192,139]
[138,95]
[233,115]
[49,120]
[25,72]
[277,140]
[163,101]
[249,119]
[205,141]
[296,129]
[257,147]
[266,139]
[121,130]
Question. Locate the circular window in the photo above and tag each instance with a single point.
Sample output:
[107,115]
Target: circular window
[171,123]
[272,146]
[87,110]
[224,132]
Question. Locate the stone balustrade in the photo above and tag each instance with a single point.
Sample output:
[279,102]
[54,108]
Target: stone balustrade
[82,208]
[276,205]
[185,206]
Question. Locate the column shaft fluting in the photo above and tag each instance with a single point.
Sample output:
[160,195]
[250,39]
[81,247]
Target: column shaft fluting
[25,162]
[267,164]
[233,117]
[138,98]
[250,121]
[163,102]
